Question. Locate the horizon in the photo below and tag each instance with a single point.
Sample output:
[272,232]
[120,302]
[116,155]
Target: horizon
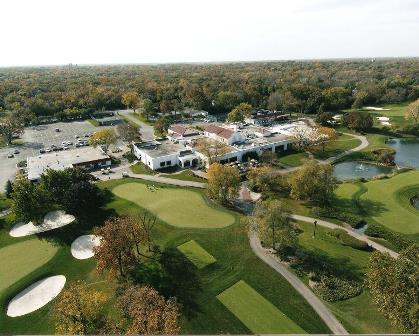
[47,33]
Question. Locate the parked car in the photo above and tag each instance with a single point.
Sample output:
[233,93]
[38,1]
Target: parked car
[57,130]
[47,150]
[42,151]
[10,155]
[125,174]
[76,136]
[66,147]
[16,151]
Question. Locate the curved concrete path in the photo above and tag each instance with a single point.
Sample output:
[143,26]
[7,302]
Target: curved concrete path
[319,307]
[354,234]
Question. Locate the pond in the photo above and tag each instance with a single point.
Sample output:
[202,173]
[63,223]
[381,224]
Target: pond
[407,151]
[354,170]
[415,202]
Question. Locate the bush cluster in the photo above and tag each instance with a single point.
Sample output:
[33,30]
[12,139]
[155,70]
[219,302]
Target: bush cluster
[348,240]
[378,231]
[352,219]
[337,289]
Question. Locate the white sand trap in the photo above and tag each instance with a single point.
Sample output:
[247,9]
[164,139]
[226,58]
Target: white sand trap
[372,108]
[52,220]
[385,123]
[36,296]
[383,118]
[82,247]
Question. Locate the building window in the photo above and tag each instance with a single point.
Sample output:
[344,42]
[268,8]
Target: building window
[279,148]
[168,163]
[162,164]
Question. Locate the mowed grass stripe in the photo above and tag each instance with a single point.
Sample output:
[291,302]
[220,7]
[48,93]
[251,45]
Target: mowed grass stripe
[20,259]
[176,206]
[196,254]
[255,312]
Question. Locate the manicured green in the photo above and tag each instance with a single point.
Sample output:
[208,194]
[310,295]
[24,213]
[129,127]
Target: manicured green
[388,208]
[358,314]
[18,260]
[196,254]
[257,313]
[185,175]
[176,206]
[335,147]
[141,168]
[294,159]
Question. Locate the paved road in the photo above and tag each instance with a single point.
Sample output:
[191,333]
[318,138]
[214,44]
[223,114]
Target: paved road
[354,234]
[147,131]
[319,307]
[117,174]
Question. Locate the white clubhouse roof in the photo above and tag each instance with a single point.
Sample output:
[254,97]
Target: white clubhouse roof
[60,160]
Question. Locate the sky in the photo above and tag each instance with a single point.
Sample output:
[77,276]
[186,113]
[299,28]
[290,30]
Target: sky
[50,32]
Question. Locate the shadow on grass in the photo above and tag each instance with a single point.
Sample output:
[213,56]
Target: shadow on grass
[360,207]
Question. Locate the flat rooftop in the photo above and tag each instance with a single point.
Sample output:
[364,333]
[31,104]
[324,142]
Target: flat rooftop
[157,149]
[60,160]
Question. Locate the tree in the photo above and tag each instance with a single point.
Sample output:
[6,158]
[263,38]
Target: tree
[282,99]
[393,284]
[360,98]
[240,112]
[103,138]
[324,118]
[147,108]
[272,221]
[162,125]
[412,111]
[116,251]
[129,132]
[326,134]
[262,178]
[30,201]
[79,310]
[149,313]
[210,148]
[313,182]
[131,99]
[223,182]
[336,98]
[8,189]
[359,121]
[73,190]
[10,126]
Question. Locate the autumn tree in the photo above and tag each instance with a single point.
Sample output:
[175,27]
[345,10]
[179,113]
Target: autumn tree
[129,132]
[313,182]
[148,312]
[412,111]
[30,201]
[119,246]
[326,134]
[79,309]
[360,99]
[262,178]
[393,284]
[103,138]
[210,148]
[131,99]
[223,182]
[282,100]
[162,125]
[10,125]
[240,112]
[147,108]
[271,220]
[359,121]
[324,118]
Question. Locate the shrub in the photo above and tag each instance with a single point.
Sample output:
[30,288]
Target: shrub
[378,231]
[337,289]
[348,240]
[353,220]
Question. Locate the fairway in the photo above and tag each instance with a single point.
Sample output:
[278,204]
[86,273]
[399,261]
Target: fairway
[175,206]
[196,254]
[255,312]
[18,260]
[394,213]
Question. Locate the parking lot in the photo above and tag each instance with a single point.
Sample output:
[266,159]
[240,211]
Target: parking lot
[38,137]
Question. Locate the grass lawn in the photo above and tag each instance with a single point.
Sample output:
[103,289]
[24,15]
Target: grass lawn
[257,313]
[293,159]
[335,147]
[358,314]
[18,260]
[185,175]
[141,168]
[140,117]
[5,203]
[176,206]
[385,204]
[196,254]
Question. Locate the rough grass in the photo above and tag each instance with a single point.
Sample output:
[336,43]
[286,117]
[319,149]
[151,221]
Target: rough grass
[185,175]
[141,168]
[196,254]
[257,313]
[335,147]
[18,260]
[389,210]
[294,159]
[176,206]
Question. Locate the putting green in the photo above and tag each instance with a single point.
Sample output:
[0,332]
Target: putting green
[255,312]
[18,260]
[196,254]
[175,206]
[387,195]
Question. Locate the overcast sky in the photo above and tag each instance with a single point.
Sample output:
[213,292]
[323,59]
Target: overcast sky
[43,32]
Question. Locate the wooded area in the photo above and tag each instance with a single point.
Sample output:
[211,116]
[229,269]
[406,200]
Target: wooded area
[302,86]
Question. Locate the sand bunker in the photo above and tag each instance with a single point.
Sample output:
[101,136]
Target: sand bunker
[82,247]
[385,123]
[372,108]
[383,118]
[36,296]
[52,220]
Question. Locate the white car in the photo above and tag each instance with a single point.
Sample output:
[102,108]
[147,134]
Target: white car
[66,147]
[47,150]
